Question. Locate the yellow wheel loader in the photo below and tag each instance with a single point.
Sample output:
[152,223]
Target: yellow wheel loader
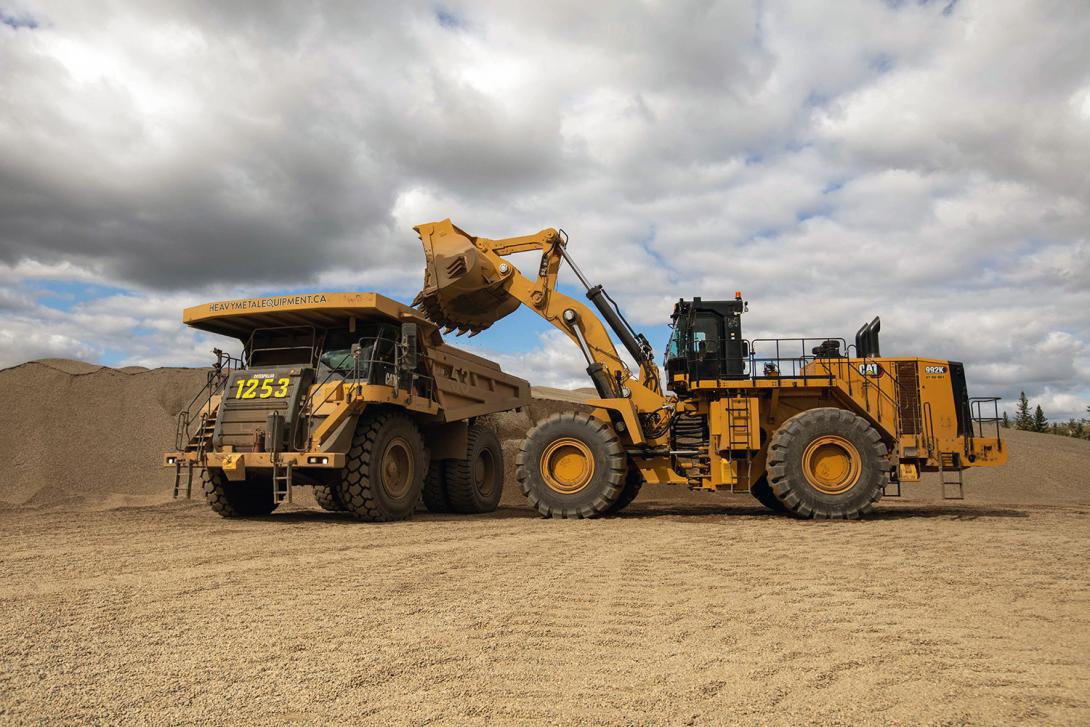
[818,428]
[352,394]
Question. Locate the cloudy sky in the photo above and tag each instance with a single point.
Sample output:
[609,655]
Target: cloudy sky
[928,162]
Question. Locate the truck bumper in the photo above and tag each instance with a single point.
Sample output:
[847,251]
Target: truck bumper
[229,461]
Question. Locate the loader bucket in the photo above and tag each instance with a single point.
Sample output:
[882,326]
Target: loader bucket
[462,288]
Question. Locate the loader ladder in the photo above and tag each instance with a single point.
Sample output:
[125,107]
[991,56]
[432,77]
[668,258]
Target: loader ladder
[739,433]
[950,462]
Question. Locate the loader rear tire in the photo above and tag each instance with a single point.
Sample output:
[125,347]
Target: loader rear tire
[434,491]
[328,499]
[475,484]
[384,474]
[633,481]
[572,466]
[248,498]
[827,463]
[764,494]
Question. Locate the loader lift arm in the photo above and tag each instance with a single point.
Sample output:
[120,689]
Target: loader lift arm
[469,285]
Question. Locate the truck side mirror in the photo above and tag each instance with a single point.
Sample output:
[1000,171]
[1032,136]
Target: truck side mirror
[409,357]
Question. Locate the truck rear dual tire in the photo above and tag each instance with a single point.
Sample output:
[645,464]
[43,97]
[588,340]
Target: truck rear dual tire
[572,466]
[827,463]
[472,484]
[249,498]
[385,468]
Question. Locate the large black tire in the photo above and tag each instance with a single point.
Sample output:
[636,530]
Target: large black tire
[827,463]
[475,483]
[434,493]
[764,494]
[633,481]
[385,469]
[328,499]
[571,466]
[251,497]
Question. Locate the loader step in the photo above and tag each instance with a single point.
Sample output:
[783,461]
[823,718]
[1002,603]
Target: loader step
[951,476]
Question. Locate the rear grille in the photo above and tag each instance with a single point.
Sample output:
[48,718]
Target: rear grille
[908,392]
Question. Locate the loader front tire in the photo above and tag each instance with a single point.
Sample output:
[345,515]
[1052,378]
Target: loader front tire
[385,469]
[764,494]
[572,466]
[475,483]
[827,463]
[328,499]
[633,481]
[248,498]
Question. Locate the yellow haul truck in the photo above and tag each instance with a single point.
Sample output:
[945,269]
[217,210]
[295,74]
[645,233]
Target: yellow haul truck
[817,428]
[353,394]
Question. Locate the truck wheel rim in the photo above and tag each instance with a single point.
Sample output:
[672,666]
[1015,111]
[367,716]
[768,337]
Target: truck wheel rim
[397,468]
[831,464]
[567,465]
[484,472]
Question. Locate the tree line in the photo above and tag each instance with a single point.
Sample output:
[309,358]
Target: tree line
[1036,421]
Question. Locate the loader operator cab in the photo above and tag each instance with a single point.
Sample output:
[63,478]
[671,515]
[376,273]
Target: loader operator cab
[707,342]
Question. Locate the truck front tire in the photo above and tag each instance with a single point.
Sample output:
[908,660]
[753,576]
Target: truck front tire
[248,498]
[385,469]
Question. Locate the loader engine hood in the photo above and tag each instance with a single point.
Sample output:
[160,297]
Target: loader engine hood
[462,288]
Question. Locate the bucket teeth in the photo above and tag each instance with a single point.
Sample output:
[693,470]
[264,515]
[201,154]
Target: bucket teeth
[462,290]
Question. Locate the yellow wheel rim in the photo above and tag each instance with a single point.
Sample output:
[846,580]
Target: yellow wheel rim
[567,465]
[397,468]
[832,464]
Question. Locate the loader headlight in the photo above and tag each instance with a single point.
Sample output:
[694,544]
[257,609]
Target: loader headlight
[171,460]
[317,460]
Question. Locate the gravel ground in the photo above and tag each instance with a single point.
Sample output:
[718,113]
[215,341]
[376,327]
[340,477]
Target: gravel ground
[687,609]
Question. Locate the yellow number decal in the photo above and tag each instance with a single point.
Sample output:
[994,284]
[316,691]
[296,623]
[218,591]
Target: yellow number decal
[266,389]
[241,383]
[283,390]
[251,389]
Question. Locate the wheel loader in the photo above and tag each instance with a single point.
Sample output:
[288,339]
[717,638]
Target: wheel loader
[352,394]
[817,428]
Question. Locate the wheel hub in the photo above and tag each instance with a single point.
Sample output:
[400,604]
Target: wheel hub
[567,465]
[831,464]
[397,468]
[484,472]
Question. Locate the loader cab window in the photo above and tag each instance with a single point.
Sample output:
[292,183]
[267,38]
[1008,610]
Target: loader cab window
[707,340]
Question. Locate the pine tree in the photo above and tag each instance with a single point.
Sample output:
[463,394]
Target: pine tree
[1023,419]
[1040,421]
[1006,421]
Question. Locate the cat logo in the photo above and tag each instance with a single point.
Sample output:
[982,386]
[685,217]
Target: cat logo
[869,369]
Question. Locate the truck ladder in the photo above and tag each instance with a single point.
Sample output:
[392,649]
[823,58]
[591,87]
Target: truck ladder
[282,481]
[183,484]
[950,462]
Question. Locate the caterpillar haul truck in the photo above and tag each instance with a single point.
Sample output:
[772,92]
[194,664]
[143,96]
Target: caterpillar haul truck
[353,394]
[813,427]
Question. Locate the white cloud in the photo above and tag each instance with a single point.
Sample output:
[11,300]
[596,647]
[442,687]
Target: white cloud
[923,161]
